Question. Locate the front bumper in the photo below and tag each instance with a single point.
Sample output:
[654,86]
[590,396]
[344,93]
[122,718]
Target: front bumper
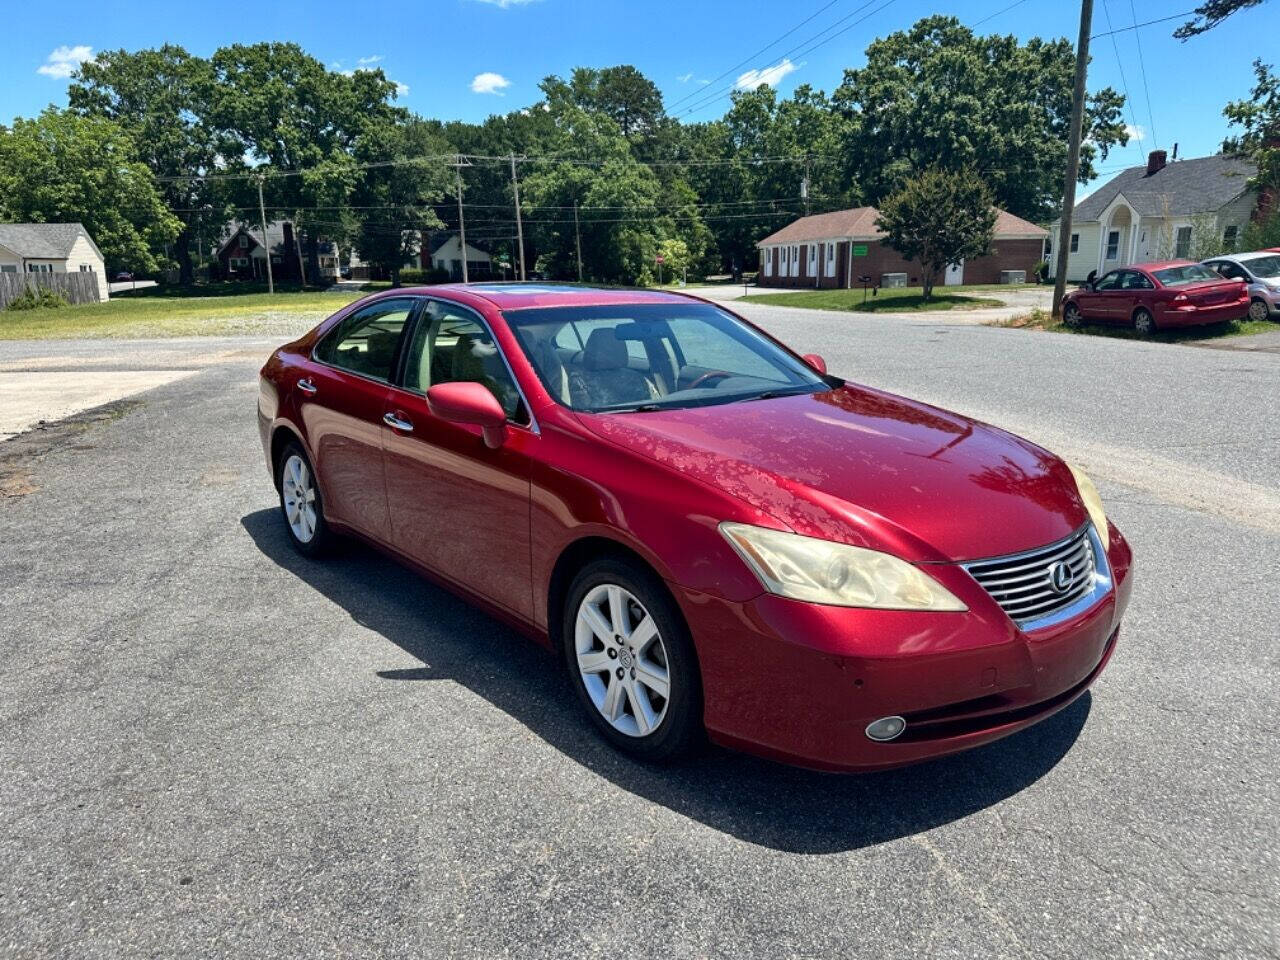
[799,682]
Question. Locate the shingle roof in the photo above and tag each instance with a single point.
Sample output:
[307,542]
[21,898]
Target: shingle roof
[860,224]
[45,241]
[275,236]
[1200,185]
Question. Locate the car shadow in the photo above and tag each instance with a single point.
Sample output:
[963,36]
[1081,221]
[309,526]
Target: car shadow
[764,803]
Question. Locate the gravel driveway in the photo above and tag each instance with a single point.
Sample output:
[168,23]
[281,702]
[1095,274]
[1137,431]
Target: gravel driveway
[210,747]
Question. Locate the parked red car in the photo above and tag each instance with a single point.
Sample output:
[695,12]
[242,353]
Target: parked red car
[713,532]
[1153,296]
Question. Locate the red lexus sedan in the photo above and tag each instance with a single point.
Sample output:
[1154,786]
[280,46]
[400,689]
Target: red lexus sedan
[1154,296]
[717,535]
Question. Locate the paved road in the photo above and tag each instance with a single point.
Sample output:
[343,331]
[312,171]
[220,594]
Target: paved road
[209,747]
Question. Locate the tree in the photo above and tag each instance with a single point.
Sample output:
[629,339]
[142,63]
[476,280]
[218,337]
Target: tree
[159,98]
[1259,118]
[62,168]
[938,94]
[1211,13]
[393,204]
[675,258]
[937,218]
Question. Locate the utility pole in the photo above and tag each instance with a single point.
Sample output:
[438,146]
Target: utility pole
[515,189]
[458,164]
[262,219]
[1073,156]
[804,185]
[577,239]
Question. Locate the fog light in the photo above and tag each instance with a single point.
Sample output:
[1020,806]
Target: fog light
[886,728]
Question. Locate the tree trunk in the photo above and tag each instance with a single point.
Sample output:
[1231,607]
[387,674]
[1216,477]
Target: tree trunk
[927,280]
[182,253]
[313,258]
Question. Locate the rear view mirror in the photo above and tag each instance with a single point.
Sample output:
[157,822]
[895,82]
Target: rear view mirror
[469,402]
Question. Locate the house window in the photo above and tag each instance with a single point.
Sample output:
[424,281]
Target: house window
[1113,245]
[1229,236]
[831,259]
[8,268]
[244,242]
[40,268]
[85,268]
[768,263]
[238,263]
[1075,243]
[813,259]
[1182,245]
[275,258]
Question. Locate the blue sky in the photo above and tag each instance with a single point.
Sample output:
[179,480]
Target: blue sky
[466,59]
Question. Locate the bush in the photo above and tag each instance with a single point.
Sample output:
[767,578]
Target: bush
[36,298]
[1042,271]
[416,277]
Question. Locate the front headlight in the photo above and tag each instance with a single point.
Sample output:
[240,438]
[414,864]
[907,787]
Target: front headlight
[804,568]
[1093,504]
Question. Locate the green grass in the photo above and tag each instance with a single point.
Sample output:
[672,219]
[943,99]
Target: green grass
[1041,320]
[177,313]
[895,300]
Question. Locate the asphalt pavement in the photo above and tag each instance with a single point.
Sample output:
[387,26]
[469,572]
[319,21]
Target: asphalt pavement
[211,747]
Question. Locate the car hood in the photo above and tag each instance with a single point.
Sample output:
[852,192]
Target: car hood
[868,468]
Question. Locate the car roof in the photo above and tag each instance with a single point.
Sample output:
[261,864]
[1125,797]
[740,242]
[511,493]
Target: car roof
[521,296]
[1160,265]
[1246,257]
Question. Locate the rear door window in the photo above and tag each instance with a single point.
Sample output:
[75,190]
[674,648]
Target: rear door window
[368,341]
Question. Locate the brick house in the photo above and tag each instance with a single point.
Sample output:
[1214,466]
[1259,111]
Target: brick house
[243,254]
[838,249]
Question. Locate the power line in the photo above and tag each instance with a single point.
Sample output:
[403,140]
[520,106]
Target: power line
[745,61]
[1145,23]
[1151,118]
[1016,3]
[1124,84]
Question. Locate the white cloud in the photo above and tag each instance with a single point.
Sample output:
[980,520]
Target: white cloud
[770,75]
[685,77]
[489,82]
[1135,132]
[506,4]
[402,89]
[64,60]
[365,61]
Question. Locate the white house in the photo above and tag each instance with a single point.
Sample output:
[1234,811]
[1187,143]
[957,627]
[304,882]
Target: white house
[51,248]
[1158,212]
[445,253]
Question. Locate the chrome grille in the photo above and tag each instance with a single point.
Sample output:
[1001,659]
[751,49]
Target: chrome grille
[1023,584]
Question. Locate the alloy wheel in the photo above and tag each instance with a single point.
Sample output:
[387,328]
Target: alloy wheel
[622,660]
[1144,323]
[1258,310]
[1071,315]
[297,487]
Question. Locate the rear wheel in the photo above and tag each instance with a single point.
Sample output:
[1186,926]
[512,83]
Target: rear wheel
[1258,309]
[631,661]
[1144,322]
[1071,315]
[300,502]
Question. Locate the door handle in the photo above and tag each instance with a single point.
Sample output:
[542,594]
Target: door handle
[307,387]
[395,423]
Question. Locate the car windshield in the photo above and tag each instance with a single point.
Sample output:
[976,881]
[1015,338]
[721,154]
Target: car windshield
[1268,267]
[1189,273]
[654,356]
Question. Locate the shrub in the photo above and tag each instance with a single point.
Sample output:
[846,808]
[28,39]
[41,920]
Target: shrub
[415,277]
[36,298]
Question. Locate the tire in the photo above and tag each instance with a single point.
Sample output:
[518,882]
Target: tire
[1071,315]
[1258,309]
[308,531]
[1144,322]
[608,675]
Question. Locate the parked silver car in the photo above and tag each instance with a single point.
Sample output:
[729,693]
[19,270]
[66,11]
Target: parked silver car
[1261,271]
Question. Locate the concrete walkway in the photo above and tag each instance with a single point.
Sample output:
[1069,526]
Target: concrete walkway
[1017,300]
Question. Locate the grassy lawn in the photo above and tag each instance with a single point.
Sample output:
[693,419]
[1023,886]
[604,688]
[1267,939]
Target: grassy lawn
[895,300]
[213,310]
[1041,320]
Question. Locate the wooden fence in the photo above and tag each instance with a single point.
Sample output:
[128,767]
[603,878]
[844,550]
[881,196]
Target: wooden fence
[76,287]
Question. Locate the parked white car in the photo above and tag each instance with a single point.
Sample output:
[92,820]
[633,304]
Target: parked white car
[1261,271]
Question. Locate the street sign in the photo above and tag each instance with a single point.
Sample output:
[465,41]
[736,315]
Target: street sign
[860,250]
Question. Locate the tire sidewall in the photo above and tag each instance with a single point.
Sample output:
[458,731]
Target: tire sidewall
[317,545]
[681,727]
[1137,322]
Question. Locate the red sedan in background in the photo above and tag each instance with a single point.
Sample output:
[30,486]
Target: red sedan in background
[716,535]
[1154,296]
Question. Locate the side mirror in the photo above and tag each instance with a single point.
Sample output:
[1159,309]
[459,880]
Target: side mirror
[469,402]
[815,361]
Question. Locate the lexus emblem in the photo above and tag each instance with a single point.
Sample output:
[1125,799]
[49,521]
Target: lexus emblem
[1061,577]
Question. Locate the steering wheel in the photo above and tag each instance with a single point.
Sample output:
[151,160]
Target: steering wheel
[710,374]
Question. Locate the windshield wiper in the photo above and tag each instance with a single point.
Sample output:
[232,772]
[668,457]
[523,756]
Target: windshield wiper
[638,408]
[774,394]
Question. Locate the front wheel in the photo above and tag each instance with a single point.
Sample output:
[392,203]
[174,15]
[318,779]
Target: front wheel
[1144,322]
[1071,315]
[631,661]
[1258,310]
